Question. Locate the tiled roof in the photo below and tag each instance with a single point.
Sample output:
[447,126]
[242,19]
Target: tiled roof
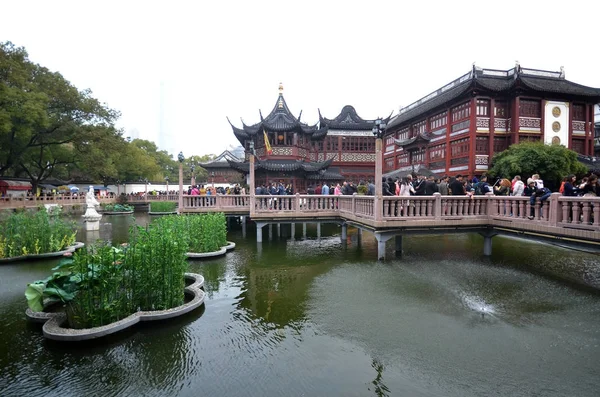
[282,165]
[348,119]
[496,81]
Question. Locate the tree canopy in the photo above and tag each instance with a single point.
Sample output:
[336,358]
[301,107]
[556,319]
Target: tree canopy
[551,162]
[50,128]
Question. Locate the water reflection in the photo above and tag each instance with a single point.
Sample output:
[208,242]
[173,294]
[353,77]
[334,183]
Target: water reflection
[318,317]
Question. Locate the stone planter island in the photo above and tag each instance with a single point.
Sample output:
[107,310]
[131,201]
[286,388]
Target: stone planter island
[54,322]
[205,255]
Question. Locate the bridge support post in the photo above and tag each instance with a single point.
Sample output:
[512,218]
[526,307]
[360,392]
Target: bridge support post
[259,234]
[243,220]
[487,242]
[304,230]
[270,231]
[382,238]
[279,230]
[319,230]
[398,240]
[344,232]
[293,230]
[359,237]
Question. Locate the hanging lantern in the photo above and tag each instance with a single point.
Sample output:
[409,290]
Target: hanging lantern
[280,137]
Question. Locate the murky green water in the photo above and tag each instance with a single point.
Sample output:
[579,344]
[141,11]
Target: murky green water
[318,318]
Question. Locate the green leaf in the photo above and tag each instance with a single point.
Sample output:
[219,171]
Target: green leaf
[60,293]
[34,294]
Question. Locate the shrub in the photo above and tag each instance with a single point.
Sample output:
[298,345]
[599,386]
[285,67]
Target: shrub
[163,206]
[117,207]
[24,233]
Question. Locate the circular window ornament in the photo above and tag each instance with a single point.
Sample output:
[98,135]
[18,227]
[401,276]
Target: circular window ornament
[556,140]
[556,111]
[556,126]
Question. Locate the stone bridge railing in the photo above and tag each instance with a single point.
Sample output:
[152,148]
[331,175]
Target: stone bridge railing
[34,202]
[557,211]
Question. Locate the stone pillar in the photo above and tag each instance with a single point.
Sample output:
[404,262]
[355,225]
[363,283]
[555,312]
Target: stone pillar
[279,230]
[259,236]
[304,230]
[270,232]
[359,237]
[318,229]
[293,230]
[381,240]
[243,220]
[487,245]
[344,232]
[398,239]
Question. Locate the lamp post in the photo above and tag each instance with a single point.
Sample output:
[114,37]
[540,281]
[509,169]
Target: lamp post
[193,167]
[180,158]
[378,132]
[252,189]
[167,181]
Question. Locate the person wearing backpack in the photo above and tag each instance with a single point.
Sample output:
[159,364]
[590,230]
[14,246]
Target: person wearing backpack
[518,186]
[483,187]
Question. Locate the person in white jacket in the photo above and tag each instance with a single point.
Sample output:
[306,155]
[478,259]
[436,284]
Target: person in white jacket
[518,187]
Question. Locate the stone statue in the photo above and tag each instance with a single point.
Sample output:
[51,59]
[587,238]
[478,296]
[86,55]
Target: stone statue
[91,216]
[90,199]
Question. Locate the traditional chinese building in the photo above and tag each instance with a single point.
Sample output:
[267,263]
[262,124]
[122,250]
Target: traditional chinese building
[459,127]
[218,171]
[291,151]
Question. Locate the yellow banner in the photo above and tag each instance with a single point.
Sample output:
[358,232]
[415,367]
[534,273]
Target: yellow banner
[267,143]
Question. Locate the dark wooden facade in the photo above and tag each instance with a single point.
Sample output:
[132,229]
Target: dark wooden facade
[458,128]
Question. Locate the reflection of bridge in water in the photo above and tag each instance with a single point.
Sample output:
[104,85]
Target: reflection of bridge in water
[568,219]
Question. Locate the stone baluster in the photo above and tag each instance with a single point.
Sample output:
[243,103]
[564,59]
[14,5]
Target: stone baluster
[576,211]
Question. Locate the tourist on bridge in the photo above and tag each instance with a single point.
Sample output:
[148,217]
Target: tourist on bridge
[457,187]
[430,186]
[569,187]
[443,186]
[535,192]
[503,189]
[518,186]
[371,189]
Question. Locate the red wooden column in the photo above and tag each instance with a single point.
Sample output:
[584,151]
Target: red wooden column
[587,131]
[448,131]
[570,126]
[492,131]
[516,114]
[542,118]
[472,137]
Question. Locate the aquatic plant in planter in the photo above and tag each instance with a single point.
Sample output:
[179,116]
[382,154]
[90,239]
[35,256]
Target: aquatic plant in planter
[34,233]
[104,284]
[117,207]
[163,206]
[206,232]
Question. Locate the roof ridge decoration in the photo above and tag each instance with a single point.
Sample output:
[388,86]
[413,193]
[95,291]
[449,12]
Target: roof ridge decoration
[348,119]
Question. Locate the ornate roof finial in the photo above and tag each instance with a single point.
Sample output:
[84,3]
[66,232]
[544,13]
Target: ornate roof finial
[280,102]
[280,88]
[562,72]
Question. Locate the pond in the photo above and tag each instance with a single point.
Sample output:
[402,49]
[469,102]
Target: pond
[315,317]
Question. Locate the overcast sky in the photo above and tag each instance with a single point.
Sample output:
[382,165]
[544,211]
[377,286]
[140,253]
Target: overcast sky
[226,58]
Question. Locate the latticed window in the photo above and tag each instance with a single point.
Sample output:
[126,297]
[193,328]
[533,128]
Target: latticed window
[438,121]
[419,128]
[437,152]
[403,134]
[501,109]
[579,112]
[460,147]
[483,107]
[482,144]
[529,108]
[500,144]
[461,112]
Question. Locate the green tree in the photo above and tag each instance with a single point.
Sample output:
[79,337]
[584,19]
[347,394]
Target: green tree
[43,117]
[551,162]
